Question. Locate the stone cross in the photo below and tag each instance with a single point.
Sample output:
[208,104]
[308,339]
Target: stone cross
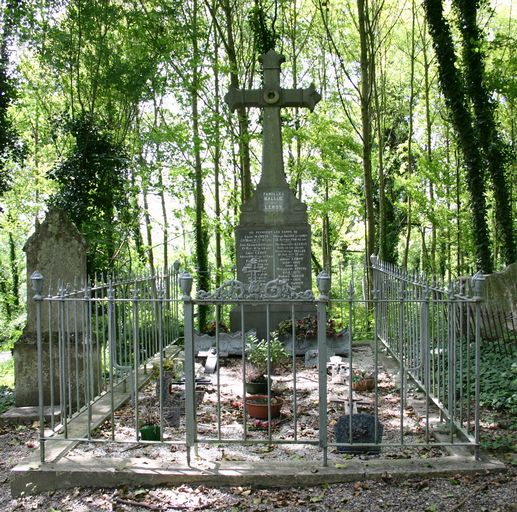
[271,98]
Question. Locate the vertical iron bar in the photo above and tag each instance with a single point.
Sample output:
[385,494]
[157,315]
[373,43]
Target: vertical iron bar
[478,282]
[111,348]
[323,282]
[190,412]
[244,408]
[37,285]
[136,358]
[293,362]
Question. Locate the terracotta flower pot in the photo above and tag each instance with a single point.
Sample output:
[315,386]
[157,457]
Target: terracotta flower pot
[364,384]
[257,406]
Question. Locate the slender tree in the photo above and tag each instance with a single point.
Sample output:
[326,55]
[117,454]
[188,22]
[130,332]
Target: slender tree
[454,93]
[495,150]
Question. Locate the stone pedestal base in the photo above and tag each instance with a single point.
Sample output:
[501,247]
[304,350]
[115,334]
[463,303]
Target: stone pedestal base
[25,356]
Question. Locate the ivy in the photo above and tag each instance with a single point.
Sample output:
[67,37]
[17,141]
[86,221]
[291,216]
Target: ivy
[454,93]
[263,30]
[92,188]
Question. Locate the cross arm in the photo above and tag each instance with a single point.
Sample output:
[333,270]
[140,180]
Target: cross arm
[301,97]
[236,98]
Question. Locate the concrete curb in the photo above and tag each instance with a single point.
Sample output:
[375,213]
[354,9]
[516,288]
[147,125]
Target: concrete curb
[30,478]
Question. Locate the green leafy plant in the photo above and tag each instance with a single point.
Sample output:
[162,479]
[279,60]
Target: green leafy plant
[172,365]
[359,375]
[211,328]
[258,356]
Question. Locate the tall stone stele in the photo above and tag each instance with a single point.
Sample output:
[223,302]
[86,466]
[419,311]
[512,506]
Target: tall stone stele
[58,251]
[273,238]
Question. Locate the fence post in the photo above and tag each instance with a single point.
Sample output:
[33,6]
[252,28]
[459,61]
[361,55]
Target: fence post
[323,283]
[112,354]
[185,281]
[37,286]
[375,298]
[87,356]
[425,348]
[478,281]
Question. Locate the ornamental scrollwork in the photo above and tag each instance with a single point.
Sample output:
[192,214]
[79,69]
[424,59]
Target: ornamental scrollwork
[275,290]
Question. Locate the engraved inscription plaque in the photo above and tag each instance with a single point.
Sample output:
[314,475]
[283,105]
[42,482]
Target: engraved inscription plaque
[277,253]
[274,201]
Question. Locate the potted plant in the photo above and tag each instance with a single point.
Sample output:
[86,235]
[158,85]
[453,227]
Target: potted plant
[362,380]
[211,328]
[258,366]
[150,424]
[172,372]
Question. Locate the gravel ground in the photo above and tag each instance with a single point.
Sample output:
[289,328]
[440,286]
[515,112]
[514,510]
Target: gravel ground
[484,492]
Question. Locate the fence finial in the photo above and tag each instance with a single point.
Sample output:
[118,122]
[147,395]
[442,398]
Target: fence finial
[37,284]
[478,282]
[185,281]
[323,283]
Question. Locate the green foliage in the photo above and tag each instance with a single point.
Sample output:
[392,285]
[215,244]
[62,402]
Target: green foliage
[499,441]
[10,330]
[257,352]
[263,30]
[498,379]
[92,181]
[6,398]
[454,91]
[10,146]
[7,374]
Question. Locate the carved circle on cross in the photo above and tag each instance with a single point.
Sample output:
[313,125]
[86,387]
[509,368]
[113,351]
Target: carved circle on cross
[271,96]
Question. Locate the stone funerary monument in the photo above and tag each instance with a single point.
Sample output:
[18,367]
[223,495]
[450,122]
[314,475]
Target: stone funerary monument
[273,238]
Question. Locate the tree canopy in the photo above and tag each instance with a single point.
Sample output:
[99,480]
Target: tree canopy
[113,110]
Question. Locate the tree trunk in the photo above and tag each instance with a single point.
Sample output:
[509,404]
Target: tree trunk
[242,115]
[148,230]
[494,148]
[366,134]
[15,277]
[201,233]
[429,154]
[217,162]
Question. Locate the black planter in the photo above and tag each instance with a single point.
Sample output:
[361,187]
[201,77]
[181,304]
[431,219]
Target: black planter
[256,388]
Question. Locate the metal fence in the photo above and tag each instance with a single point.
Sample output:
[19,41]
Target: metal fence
[434,334]
[93,340]
[112,342]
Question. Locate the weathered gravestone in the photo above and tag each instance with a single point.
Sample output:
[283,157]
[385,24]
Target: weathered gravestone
[58,251]
[273,238]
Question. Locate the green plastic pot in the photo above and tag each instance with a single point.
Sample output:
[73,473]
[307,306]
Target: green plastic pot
[150,433]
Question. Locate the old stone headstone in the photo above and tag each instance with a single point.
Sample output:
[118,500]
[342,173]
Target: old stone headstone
[273,238]
[363,431]
[58,251]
